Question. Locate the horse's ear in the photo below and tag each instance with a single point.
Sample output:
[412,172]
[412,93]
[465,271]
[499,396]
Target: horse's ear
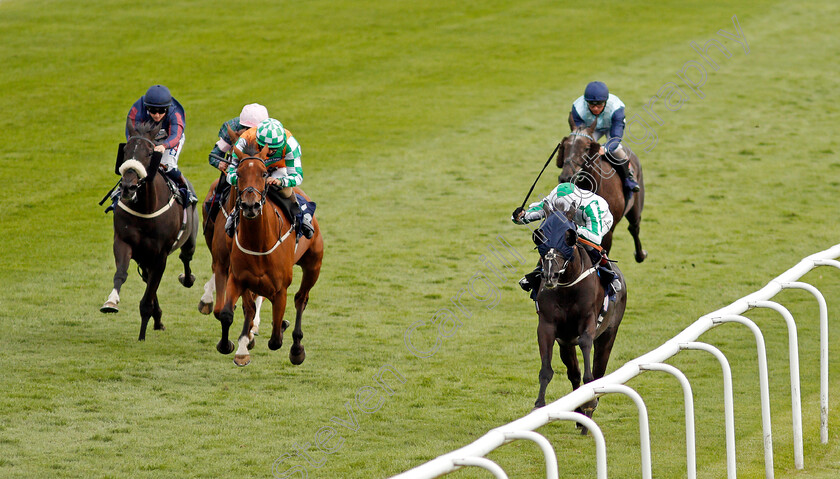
[572,125]
[571,237]
[234,135]
[591,127]
[594,148]
[129,125]
[264,152]
[560,154]
[238,153]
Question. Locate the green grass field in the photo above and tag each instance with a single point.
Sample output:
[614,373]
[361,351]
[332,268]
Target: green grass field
[422,125]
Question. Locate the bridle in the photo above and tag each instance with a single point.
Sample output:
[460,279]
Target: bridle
[251,189]
[551,256]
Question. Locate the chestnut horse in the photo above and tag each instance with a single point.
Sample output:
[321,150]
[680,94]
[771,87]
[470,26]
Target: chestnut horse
[581,164]
[149,224]
[569,303]
[219,245]
[261,259]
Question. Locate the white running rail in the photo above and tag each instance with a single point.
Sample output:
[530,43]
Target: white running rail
[562,409]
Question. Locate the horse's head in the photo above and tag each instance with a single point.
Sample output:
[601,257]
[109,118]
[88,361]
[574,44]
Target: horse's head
[577,154]
[558,265]
[141,161]
[252,182]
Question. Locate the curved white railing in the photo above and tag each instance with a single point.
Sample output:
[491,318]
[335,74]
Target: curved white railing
[473,454]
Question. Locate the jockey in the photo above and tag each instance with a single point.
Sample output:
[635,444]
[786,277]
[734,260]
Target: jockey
[589,212]
[158,106]
[598,104]
[219,158]
[284,168]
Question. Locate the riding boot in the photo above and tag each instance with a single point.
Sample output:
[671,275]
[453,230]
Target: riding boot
[618,159]
[231,222]
[115,197]
[187,195]
[611,279]
[531,280]
[305,223]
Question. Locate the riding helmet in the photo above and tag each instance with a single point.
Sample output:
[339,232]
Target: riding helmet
[157,96]
[271,133]
[596,91]
[252,115]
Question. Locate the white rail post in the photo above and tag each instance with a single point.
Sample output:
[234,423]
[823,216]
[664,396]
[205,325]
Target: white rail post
[644,426]
[763,385]
[548,451]
[823,352]
[690,449]
[728,402]
[597,434]
[482,462]
[795,395]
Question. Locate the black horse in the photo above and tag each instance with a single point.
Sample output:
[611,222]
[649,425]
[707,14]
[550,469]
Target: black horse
[149,224]
[569,304]
[581,163]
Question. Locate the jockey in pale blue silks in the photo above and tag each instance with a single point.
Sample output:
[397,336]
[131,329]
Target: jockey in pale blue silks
[598,104]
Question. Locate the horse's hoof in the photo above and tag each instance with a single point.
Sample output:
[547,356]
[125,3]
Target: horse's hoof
[160,327]
[297,358]
[251,344]
[205,308]
[220,347]
[109,307]
[583,430]
[285,325]
[186,282]
[641,256]
[274,345]
[242,360]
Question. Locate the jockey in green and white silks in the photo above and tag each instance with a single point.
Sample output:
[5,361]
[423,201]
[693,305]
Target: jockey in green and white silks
[592,213]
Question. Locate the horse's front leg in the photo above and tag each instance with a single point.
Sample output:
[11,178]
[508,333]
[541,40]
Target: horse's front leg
[545,340]
[148,304]
[232,293]
[278,325]
[246,337]
[122,256]
[585,343]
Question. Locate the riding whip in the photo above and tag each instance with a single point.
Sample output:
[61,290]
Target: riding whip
[538,176]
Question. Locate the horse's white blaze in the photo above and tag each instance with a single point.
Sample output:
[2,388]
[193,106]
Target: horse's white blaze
[114,297]
[133,165]
[255,328]
[242,350]
[209,289]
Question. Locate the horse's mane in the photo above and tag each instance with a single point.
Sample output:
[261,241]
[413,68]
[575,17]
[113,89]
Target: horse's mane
[147,129]
[250,150]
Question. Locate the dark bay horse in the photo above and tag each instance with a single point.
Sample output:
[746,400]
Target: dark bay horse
[581,164]
[149,224]
[261,259]
[569,303]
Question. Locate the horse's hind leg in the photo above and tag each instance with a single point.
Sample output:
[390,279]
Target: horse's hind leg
[311,264]
[187,252]
[205,304]
[157,313]
[585,343]
[634,220]
[122,256]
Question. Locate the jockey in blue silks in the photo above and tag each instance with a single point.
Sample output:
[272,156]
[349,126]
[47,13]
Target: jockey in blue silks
[598,104]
